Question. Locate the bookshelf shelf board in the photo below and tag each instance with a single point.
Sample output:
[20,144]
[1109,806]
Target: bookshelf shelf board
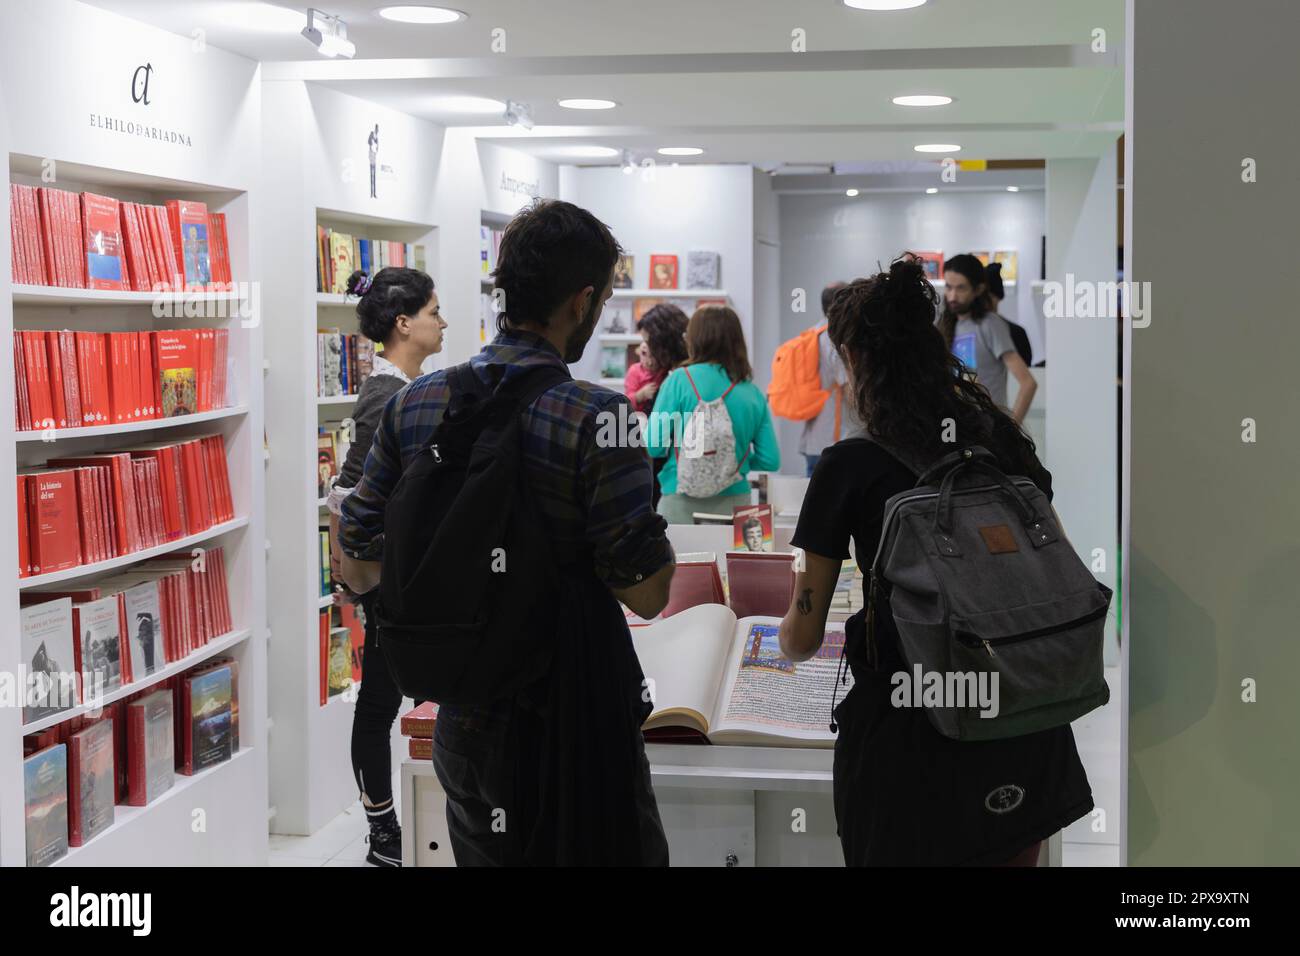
[325,602]
[335,399]
[211,649]
[124,816]
[99,567]
[151,424]
[57,295]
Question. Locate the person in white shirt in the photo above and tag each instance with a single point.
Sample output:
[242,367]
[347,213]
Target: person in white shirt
[820,431]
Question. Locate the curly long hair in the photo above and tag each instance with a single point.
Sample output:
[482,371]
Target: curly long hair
[664,326]
[908,385]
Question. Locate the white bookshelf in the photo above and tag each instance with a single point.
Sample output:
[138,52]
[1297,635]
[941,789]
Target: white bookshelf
[311,778]
[232,791]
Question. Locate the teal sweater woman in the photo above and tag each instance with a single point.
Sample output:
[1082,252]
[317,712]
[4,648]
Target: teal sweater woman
[718,368]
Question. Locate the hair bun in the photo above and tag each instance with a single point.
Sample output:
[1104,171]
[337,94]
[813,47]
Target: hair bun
[359,284]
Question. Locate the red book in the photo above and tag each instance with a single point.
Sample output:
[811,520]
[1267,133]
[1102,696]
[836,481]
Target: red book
[224,583]
[48,245]
[71,383]
[196,488]
[92,782]
[18,268]
[138,239]
[73,237]
[55,532]
[145,386]
[222,399]
[151,748]
[663,272]
[189,234]
[24,545]
[22,408]
[176,361]
[123,501]
[420,721]
[694,583]
[420,748]
[39,265]
[116,379]
[761,583]
[104,257]
[324,621]
[38,380]
[58,390]
[219,251]
[89,546]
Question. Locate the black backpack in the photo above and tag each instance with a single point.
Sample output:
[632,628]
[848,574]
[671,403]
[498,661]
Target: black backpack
[466,596]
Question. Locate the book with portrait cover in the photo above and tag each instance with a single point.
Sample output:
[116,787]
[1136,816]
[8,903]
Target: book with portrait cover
[663,272]
[189,235]
[91,782]
[753,527]
[176,358]
[45,804]
[624,271]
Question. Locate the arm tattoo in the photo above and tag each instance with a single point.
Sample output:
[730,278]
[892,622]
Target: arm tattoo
[804,604]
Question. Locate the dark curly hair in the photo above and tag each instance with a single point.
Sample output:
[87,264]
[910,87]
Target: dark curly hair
[664,326]
[392,292]
[907,383]
[549,252]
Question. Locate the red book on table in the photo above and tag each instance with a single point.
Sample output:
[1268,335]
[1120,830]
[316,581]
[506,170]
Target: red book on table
[694,583]
[761,583]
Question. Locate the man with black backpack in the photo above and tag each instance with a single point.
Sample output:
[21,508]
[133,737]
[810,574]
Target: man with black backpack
[502,530]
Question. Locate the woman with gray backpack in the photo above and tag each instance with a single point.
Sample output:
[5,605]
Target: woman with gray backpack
[711,422]
[981,638]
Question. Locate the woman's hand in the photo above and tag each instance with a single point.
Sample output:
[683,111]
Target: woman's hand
[647,392]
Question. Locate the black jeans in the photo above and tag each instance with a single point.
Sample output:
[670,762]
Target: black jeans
[378,702]
[486,761]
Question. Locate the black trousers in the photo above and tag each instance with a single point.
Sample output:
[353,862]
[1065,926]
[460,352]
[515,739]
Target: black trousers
[378,702]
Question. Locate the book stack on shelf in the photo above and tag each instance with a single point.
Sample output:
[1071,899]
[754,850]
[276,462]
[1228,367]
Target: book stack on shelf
[67,379]
[489,249]
[343,362]
[88,241]
[76,773]
[332,444]
[93,508]
[339,254]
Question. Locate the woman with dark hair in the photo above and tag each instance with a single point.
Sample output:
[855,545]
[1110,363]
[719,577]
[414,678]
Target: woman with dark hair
[905,794]
[980,337]
[740,436]
[998,292]
[398,311]
[662,349]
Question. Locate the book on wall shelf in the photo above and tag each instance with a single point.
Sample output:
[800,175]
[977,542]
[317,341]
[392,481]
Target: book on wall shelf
[624,272]
[45,792]
[66,379]
[703,270]
[339,254]
[91,782]
[663,272]
[724,680]
[640,307]
[91,241]
[343,362]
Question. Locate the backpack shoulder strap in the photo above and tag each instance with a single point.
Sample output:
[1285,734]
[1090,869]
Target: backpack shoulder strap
[527,387]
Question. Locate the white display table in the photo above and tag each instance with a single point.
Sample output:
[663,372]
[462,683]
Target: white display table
[721,806]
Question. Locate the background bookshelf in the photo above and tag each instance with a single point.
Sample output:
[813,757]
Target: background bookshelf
[229,794]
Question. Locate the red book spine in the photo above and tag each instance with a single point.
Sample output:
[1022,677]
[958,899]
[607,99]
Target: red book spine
[18,270]
[75,240]
[107,513]
[100,346]
[136,794]
[38,272]
[48,239]
[88,548]
[58,390]
[144,347]
[24,544]
[71,382]
[56,537]
[22,408]
[38,383]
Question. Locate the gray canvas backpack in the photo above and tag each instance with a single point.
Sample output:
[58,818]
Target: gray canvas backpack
[980,580]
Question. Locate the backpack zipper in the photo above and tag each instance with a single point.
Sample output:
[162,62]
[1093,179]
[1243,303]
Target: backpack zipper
[971,639]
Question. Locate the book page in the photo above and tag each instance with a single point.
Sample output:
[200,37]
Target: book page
[767,695]
[682,658]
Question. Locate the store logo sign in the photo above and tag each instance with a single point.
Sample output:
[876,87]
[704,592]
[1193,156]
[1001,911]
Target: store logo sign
[518,186]
[140,83]
[140,95]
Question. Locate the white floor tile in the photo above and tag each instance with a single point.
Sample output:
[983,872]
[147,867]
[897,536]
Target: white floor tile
[329,840]
[356,850]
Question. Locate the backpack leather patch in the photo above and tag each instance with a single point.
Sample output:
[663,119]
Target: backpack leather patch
[999,539]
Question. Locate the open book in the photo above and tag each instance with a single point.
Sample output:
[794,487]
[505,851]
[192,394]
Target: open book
[726,679]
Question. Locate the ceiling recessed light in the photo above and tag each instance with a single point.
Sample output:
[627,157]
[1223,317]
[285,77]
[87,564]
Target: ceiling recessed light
[421,14]
[586,104]
[680,151]
[937,148]
[590,152]
[923,99]
[932,190]
[1013,189]
[883,4]
[467,104]
[850,192]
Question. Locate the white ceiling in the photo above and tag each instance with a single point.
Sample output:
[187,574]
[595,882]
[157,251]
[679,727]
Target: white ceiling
[720,74]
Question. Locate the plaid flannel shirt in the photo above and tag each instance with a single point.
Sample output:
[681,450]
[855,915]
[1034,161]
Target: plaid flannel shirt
[596,500]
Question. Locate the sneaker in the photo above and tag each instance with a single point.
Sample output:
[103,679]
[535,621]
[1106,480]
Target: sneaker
[385,846]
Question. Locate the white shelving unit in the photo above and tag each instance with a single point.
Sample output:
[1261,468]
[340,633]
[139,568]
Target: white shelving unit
[311,772]
[231,792]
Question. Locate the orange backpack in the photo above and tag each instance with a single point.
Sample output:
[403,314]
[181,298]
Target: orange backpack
[796,391]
